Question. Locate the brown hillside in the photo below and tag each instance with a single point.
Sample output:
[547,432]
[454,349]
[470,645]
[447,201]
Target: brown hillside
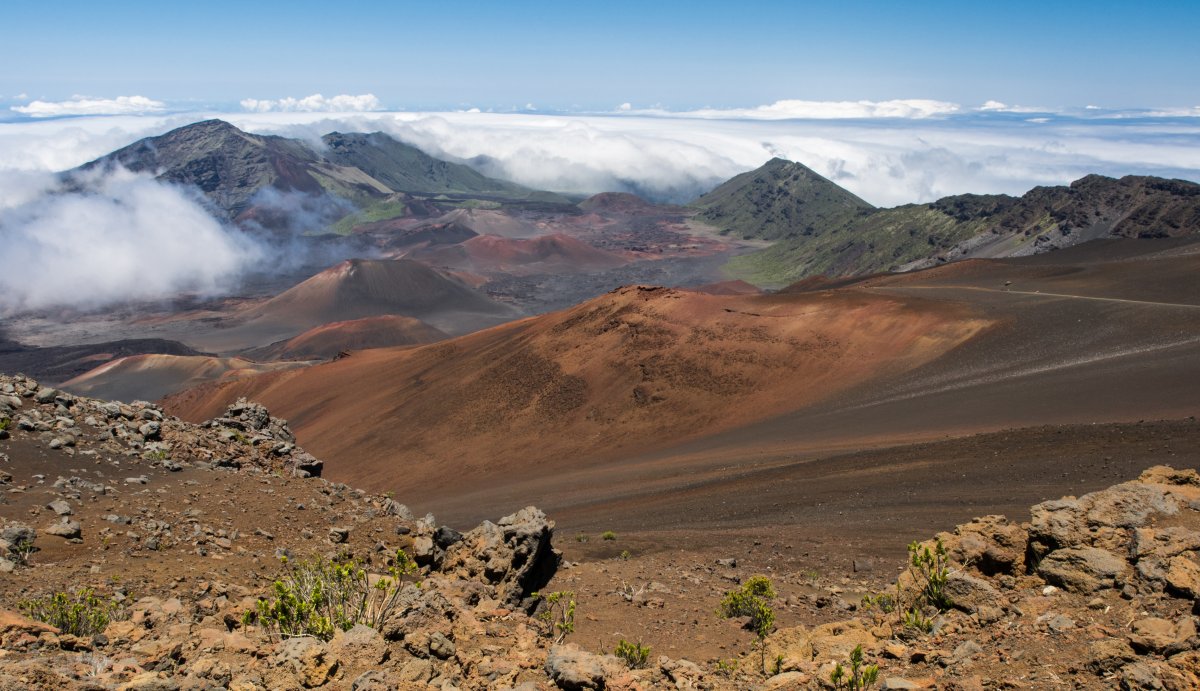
[636,368]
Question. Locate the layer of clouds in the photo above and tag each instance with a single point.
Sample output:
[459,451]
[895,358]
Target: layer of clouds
[828,110]
[342,103]
[126,238]
[81,105]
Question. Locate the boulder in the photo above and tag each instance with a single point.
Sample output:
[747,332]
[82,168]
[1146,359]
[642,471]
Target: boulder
[514,555]
[968,593]
[65,528]
[1083,569]
[573,669]
[990,544]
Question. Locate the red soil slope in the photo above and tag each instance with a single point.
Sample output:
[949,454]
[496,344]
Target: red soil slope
[634,369]
[555,253]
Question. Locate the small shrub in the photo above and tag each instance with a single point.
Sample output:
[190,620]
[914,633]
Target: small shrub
[858,677]
[752,600]
[882,601]
[931,569]
[581,537]
[777,668]
[5,424]
[559,614]
[625,555]
[635,655]
[727,668]
[80,614]
[608,535]
[915,620]
[318,597]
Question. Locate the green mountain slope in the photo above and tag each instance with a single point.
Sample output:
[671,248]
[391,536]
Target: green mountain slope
[965,226]
[782,199]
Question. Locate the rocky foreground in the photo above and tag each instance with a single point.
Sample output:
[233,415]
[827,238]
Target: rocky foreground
[180,530]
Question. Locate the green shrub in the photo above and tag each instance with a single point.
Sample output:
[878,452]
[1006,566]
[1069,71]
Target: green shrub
[858,677]
[727,668]
[80,614]
[608,535]
[635,655]
[752,600]
[558,614]
[625,555]
[318,597]
[931,569]
[5,424]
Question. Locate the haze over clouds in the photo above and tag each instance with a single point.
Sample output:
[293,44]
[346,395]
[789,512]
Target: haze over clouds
[128,238]
[81,105]
[342,103]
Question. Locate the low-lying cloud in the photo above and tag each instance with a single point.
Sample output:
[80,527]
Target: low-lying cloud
[82,105]
[828,110]
[125,237]
[342,103]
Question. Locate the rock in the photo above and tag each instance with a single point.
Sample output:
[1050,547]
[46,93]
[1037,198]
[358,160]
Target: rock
[1156,635]
[150,430]
[787,680]
[60,507]
[990,544]
[65,528]
[361,646]
[573,669]
[149,681]
[515,555]
[1083,569]
[338,535]
[445,536]
[45,395]
[441,647]
[897,683]
[1108,655]
[416,671]
[1183,576]
[308,658]
[13,622]
[968,593]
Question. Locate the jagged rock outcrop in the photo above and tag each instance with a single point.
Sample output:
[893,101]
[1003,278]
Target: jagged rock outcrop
[514,556]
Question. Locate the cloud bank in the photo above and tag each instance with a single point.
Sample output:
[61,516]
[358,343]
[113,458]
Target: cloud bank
[80,105]
[128,238]
[342,103]
[828,110]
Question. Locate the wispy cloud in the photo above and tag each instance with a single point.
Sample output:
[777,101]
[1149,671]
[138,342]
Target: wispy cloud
[342,103]
[81,105]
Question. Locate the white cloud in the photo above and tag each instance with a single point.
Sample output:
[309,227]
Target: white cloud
[342,103]
[80,105]
[825,110]
[626,107]
[128,238]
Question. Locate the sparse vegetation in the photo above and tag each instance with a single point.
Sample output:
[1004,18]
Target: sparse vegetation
[625,555]
[5,424]
[608,535]
[319,596]
[558,614]
[81,613]
[581,537]
[635,655]
[931,569]
[727,668]
[858,676]
[753,600]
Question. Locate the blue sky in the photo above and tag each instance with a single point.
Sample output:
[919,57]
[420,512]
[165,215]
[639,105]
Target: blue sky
[590,56]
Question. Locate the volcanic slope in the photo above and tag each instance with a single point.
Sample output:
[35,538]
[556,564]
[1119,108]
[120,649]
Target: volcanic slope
[356,289]
[326,341]
[489,254]
[636,368]
[150,377]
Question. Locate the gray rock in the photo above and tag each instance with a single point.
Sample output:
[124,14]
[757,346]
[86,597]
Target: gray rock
[338,535]
[150,430]
[968,593]
[45,395]
[60,507]
[897,683]
[441,647]
[65,528]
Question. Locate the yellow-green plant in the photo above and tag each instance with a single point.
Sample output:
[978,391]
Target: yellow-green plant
[81,613]
[752,600]
[558,614]
[858,676]
[635,655]
[608,535]
[319,597]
